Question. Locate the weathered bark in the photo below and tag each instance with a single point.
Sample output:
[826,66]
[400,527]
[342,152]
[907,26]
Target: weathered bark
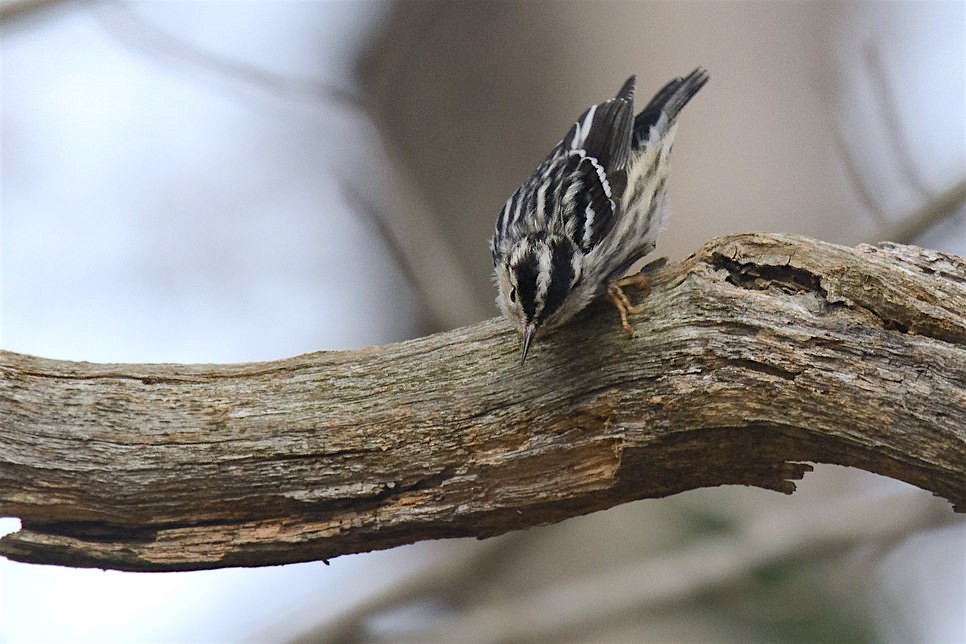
[756,354]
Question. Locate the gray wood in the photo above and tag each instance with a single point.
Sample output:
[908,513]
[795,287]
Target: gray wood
[756,354]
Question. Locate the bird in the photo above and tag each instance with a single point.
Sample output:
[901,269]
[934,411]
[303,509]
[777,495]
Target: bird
[591,209]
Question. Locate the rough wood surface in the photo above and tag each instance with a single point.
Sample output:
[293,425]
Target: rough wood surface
[758,353]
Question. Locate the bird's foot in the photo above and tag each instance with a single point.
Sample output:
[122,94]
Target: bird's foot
[640,281]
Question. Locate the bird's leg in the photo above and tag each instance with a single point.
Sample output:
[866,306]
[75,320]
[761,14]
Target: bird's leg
[615,293]
[640,281]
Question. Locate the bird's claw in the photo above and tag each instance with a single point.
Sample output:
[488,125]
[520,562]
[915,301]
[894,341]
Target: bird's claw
[640,281]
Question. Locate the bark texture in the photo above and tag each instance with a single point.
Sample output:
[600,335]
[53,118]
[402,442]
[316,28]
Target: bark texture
[756,354]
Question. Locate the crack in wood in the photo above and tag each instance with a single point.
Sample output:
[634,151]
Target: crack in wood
[754,274]
[757,276]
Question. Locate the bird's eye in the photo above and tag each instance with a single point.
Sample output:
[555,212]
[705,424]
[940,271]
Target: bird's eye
[513,294]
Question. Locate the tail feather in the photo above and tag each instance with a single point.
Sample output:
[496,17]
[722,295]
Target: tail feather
[668,102]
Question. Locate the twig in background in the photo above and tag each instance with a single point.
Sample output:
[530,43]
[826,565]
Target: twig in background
[895,132]
[672,578]
[123,24]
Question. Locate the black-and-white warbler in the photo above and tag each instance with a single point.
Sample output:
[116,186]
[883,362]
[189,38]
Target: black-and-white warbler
[593,207]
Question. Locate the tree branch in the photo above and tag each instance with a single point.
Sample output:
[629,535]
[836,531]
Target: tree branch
[757,352]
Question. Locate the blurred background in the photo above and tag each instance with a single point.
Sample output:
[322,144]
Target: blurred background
[236,181]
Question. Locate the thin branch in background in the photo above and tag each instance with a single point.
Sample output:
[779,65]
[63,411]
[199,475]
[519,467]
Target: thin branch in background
[419,247]
[455,570]
[940,207]
[13,12]
[361,206]
[936,207]
[895,131]
[663,582]
[121,23]
[854,175]
[668,580]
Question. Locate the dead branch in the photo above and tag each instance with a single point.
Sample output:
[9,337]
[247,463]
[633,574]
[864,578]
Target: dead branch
[758,352]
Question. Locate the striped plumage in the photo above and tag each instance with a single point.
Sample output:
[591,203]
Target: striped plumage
[588,212]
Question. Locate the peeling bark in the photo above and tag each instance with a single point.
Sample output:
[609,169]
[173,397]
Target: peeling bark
[758,353]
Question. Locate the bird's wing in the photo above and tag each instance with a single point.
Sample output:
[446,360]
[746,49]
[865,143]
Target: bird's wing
[578,186]
[593,175]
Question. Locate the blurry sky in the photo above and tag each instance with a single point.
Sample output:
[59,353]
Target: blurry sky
[177,184]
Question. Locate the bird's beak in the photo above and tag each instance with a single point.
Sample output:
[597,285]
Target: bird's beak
[527,336]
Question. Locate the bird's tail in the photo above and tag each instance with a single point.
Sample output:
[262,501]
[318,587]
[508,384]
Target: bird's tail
[663,109]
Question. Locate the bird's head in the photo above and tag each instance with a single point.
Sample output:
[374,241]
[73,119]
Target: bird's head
[535,280]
